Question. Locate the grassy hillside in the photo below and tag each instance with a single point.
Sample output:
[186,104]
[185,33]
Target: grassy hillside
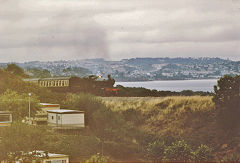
[189,118]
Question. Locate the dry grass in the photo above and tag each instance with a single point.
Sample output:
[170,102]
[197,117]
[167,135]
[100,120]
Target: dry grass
[190,117]
[169,104]
[124,103]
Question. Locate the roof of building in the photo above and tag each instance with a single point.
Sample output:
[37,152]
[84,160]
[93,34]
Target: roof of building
[31,79]
[46,154]
[55,78]
[65,111]
[5,112]
[49,105]
[37,79]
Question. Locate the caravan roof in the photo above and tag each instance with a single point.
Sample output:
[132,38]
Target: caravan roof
[65,111]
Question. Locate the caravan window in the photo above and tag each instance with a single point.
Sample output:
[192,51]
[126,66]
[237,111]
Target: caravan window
[5,118]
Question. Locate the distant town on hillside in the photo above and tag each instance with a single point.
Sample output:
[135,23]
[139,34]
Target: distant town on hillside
[135,69]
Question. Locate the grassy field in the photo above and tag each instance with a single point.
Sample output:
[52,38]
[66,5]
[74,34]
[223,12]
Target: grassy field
[173,116]
[189,118]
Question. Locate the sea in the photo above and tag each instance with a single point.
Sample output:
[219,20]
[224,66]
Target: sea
[205,85]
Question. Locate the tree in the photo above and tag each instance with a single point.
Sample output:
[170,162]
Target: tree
[226,98]
[16,70]
[18,104]
[227,92]
[39,73]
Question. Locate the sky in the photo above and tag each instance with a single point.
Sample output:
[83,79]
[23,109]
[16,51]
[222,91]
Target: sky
[47,30]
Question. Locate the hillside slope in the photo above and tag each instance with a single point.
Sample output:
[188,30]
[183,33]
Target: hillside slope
[190,118]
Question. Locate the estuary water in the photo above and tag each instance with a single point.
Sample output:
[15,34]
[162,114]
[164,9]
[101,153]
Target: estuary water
[174,85]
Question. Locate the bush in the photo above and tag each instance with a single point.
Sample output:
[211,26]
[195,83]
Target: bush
[179,151]
[231,158]
[121,150]
[77,146]
[203,154]
[97,158]
[84,102]
[155,151]
[134,116]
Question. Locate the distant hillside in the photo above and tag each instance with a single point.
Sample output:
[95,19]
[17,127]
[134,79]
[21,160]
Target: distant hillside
[137,69]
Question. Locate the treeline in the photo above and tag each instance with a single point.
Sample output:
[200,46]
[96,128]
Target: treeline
[143,92]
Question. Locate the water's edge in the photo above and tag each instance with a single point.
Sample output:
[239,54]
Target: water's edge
[205,85]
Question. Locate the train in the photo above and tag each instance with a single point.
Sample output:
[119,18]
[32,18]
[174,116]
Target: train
[91,84]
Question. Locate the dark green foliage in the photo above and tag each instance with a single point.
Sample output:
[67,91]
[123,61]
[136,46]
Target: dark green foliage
[134,116]
[177,151]
[121,150]
[226,98]
[39,73]
[76,71]
[106,125]
[10,81]
[15,70]
[143,92]
[84,102]
[77,146]
[227,92]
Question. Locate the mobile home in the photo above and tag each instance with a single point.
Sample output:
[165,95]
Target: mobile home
[5,118]
[66,119]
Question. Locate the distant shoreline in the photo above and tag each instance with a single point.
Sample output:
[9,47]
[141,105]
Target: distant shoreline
[205,85]
[170,80]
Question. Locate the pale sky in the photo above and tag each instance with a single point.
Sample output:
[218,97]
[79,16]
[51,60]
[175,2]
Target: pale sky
[116,29]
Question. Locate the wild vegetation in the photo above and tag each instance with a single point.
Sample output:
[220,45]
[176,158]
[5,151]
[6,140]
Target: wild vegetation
[194,120]
[176,128]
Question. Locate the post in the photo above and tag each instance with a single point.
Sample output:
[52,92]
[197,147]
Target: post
[29,108]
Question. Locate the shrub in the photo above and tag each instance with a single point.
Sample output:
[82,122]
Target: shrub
[133,115]
[178,151]
[231,158]
[203,154]
[155,151]
[84,102]
[97,158]
[77,146]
